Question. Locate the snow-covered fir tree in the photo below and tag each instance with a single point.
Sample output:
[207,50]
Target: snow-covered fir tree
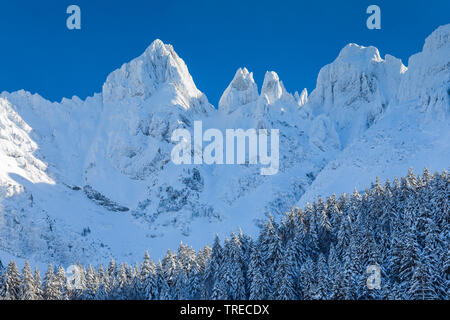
[12,282]
[27,289]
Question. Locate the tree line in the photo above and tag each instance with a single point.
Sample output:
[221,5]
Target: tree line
[319,252]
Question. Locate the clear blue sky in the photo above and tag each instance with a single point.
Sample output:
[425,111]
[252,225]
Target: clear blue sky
[214,37]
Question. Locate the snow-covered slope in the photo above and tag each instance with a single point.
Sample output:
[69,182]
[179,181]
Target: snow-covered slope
[88,180]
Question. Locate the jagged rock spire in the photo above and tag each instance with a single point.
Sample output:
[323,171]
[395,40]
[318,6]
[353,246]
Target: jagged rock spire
[241,91]
[301,98]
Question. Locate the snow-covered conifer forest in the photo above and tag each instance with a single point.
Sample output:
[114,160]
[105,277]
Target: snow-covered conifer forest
[318,252]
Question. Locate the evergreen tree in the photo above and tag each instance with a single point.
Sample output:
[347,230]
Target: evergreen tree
[308,283]
[120,290]
[409,256]
[427,282]
[38,284]
[91,284]
[219,291]
[286,275]
[259,287]
[27,289]
[272,251]
[61,282]
[323,279]
[351,273]
[212,269]
[52,290]
[179,288]
[12,282]
[194,285]
[2,281]
[233,271]
[336,276]
[422,282]
[112,269]
[169,265]
[104,284]
[162,288]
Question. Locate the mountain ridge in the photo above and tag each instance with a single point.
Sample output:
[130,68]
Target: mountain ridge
[103,163]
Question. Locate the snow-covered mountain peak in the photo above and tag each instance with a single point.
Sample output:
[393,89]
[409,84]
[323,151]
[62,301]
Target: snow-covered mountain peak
[355,89]
[427,81]
[272,87]
[273,90]
[159,68]
[104,164]
[241,91]
[301,98]
[160,48]
[438,38]
[356,54]
[242,78]
[22,95]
